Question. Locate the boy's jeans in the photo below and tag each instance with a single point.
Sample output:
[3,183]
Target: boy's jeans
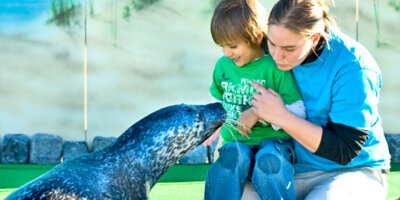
[270,170]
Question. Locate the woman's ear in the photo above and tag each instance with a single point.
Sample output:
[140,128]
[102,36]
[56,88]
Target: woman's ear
[315,39]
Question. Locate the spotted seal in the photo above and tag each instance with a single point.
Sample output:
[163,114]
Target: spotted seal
[130,167]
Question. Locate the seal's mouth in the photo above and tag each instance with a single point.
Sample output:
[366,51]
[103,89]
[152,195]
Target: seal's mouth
[216,124]
[213,115]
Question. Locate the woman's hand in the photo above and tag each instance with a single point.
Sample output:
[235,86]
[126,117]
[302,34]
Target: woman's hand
[213,137]
[268,105]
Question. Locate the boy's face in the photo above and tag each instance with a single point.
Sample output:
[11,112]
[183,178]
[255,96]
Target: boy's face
[241,53]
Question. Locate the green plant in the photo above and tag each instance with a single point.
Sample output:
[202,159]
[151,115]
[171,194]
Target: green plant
[395,4]
[64,12]
[379,43]
[214,3]
[126,13]
[140,4]
[91,3]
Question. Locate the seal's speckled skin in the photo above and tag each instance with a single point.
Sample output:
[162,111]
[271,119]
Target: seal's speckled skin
[128,168]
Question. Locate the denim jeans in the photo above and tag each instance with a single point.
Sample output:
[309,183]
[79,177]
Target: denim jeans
[268,166]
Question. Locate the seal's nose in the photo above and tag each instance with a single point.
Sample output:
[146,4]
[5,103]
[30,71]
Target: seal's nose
[213,113]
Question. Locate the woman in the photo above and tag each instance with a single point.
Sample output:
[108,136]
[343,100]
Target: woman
[340,149]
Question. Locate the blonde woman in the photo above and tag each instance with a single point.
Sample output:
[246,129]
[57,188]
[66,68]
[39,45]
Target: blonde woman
[340,148]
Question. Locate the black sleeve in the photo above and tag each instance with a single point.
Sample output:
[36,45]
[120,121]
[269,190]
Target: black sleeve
[341,143]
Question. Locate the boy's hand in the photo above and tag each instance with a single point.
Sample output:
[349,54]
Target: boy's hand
[213,137]
[246,121]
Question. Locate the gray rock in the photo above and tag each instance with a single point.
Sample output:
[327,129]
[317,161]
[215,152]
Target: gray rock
[100,142]
[74,148]
[212,149]
[394,146]
[15,149]
[45,149]
[196,156]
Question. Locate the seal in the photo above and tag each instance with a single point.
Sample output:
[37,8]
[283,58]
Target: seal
[129,168]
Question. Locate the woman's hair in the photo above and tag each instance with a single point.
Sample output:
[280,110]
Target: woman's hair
[304,17]
[239,20]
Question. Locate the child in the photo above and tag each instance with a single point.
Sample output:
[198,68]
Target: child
[262,154]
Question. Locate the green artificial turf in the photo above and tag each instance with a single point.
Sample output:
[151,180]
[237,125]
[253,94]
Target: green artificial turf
[177,191]
[180,181]
[5,192]
[161,191]
[394,184]
[14,176]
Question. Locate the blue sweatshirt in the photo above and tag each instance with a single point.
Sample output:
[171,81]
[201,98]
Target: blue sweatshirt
[343,85]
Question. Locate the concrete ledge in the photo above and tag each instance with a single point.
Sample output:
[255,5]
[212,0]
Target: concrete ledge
[47,149]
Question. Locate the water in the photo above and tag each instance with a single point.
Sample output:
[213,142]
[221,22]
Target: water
[19,15]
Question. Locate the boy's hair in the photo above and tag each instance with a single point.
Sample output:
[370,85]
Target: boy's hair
[239,20]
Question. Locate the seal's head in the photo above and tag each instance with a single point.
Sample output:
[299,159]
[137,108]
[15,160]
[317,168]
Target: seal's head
[213,115]
[178,123]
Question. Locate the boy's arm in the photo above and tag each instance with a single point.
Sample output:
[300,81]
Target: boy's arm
[213,137]
[246,121]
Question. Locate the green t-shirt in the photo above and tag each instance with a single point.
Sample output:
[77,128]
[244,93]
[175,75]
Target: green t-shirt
[231,85]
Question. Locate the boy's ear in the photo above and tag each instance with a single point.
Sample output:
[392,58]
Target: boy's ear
[260,38]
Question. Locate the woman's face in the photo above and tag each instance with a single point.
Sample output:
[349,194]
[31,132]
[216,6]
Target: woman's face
[287,48]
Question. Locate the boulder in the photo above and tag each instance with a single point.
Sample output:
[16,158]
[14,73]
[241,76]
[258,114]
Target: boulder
[45,149]
[100,142]
[196,156]
[393,141]
[213,149]
[15,149]
[74,148]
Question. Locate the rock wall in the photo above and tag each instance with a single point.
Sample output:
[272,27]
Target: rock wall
[45,148]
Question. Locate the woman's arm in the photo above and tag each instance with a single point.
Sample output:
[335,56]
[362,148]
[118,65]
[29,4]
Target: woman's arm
[337,142]
[296,108]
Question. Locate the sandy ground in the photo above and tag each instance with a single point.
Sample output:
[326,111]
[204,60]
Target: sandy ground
[162,55]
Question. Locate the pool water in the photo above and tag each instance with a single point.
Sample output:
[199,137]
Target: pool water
[17,15]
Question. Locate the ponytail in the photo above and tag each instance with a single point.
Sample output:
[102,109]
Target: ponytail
[304,17]
[329,22]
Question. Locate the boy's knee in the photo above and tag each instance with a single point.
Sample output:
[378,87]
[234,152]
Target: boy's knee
[269,163]
[234,154]
[228,159]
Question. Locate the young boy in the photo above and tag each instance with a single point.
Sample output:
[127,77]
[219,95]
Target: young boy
[262,154]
